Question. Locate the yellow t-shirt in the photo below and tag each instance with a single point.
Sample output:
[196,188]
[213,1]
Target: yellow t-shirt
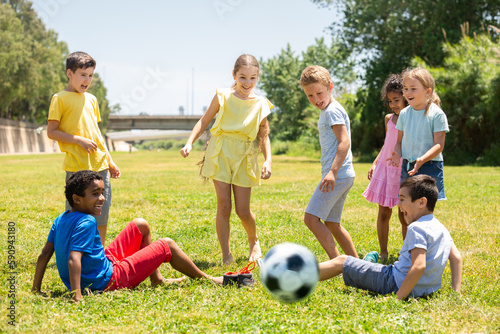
[78,114]
[239,118]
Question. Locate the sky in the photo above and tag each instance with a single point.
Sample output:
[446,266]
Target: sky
[155,56]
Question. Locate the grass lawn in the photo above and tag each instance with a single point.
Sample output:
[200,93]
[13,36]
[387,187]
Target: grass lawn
[166,190]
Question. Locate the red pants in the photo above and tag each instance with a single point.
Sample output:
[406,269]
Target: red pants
[131,264]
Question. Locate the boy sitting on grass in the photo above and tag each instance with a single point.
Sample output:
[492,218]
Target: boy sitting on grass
[426,250]
[83,262]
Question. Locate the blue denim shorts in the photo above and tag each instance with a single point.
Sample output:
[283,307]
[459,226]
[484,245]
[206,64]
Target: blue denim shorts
[432,168]
[369,276]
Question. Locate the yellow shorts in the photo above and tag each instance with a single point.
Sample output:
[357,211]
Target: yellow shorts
[232,161]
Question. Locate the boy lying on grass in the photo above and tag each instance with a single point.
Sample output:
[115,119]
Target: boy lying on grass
[83,262]
[426,249]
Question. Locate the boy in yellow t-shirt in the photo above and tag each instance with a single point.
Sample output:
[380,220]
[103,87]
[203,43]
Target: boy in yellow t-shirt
[72,122]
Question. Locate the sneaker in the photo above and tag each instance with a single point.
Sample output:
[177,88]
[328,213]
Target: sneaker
[230,279]
[241,278]
[245,281]
[371,257]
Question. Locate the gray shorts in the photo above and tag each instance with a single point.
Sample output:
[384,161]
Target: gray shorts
[328,206]
[369,276]
[102,219]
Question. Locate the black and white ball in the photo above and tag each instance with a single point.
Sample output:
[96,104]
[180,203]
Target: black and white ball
[289,272]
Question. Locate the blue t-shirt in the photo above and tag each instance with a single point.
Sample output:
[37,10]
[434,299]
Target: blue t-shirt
[334,114]
[429,234]
[419,128]
[77,231]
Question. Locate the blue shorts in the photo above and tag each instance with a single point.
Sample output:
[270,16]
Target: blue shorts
[102,219]
[328,206]
[432,168]
[369,276]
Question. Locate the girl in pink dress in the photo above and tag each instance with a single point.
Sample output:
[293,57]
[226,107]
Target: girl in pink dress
[385,178]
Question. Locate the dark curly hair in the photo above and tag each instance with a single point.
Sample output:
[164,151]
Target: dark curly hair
[393,83]
[78,182]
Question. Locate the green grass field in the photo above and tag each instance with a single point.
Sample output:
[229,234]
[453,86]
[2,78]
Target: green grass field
[166,190]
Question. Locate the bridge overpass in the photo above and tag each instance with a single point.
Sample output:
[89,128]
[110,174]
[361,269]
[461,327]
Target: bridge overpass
[118,123]
[123,128]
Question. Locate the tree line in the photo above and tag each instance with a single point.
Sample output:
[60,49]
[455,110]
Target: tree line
[32,65]
[457,41]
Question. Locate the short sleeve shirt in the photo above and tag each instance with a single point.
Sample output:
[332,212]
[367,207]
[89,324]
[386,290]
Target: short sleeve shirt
[429,234]
[77,231]
[334,114]
[419,128]
[78,114]
[239,118]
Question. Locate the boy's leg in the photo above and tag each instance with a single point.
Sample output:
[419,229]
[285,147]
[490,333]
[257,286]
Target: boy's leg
[103,230]
[342,237]
[369,276]
[242,206]
[182,263]
[223,191]
[323,234]
[331,268]
[328,207]
[404,226]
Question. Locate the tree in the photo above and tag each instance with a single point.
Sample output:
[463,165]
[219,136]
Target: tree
[469,86]
[32,65]
[291,117]
[31,62]
[387,34]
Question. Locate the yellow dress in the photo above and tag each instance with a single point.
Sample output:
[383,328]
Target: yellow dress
[231,155]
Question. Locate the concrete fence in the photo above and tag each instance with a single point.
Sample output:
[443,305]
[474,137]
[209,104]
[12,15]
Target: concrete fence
[21,137]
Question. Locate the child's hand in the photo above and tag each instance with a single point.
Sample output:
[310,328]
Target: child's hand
[185,150]
[418,163]
[266,171]
[370,172]
[394,160]
[114,171]
[88,145]
[328,183]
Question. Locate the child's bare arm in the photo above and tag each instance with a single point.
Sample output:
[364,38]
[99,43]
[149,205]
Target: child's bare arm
[439,138]
[201,125]
[328,182]
[75,271]
[456,267]
[55,134]
[265,147]
[41,265]
[114,171]
[418,264]
[397,153]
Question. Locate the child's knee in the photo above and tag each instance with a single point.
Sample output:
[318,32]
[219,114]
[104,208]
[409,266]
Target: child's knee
[332,226]
[142,225]
[171,243]
[244,214]
[310,220]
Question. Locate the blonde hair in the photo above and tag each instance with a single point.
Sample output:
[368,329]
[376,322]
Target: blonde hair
[245,60]
[315,74]
[426,79]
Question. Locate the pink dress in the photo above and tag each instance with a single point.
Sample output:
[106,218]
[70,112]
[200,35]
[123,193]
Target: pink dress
[384,185]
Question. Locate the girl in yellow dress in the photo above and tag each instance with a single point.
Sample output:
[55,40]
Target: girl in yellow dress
[239,130]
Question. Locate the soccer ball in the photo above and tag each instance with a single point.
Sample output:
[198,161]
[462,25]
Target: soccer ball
[289,272]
